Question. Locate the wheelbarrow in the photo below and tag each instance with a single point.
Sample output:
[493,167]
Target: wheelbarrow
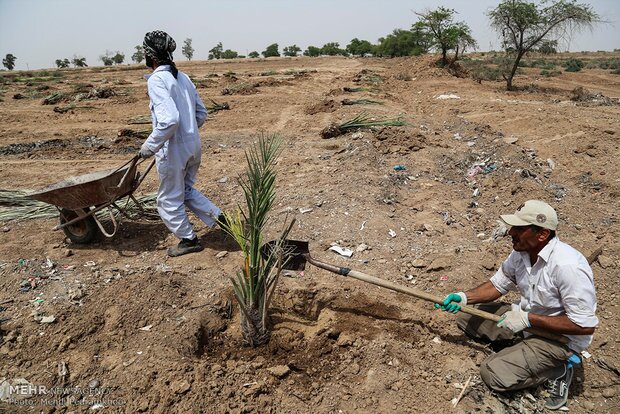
[79,198]
[295,254]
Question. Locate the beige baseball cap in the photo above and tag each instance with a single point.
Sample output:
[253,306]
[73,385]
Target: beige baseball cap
[534,212]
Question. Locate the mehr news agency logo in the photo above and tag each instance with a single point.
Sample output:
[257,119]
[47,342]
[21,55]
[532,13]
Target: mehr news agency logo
[21,392]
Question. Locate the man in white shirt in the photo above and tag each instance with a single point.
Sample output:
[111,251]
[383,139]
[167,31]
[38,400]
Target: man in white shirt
[177,113]
[557,295]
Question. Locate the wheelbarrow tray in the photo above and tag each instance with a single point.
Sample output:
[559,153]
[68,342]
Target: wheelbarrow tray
[93,189]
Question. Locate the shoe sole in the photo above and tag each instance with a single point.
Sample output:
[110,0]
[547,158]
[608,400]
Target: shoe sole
[176,252]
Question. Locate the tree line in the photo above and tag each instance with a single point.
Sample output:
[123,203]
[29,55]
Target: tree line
[521,25]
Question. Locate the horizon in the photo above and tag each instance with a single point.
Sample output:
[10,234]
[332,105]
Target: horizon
[246,26]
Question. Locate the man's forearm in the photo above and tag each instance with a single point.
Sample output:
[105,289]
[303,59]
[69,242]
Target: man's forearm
[486,292]
[558,324]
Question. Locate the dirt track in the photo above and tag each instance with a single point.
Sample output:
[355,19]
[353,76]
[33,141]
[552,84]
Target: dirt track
[338,345]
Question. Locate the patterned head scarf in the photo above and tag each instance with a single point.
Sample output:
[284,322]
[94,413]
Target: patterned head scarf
[159,45]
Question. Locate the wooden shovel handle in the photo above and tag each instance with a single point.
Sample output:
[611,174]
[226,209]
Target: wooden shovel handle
[425,296]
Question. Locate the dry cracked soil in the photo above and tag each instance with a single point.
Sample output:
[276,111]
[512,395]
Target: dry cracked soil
[136,331]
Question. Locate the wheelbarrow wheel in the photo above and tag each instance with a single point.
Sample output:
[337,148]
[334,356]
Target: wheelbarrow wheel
[80,232]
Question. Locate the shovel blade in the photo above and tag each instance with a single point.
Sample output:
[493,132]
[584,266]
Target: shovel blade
[293,252]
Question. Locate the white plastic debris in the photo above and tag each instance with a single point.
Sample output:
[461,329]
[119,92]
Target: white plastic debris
[48,319]
[551,163]
[305,210]
[586,354]
[392,233]
[448,96]
[437,340]
[146,328]
[343,251]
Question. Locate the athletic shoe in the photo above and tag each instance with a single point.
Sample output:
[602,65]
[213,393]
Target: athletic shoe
[558,387]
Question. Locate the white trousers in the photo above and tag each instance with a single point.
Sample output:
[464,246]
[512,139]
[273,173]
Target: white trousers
[177,165]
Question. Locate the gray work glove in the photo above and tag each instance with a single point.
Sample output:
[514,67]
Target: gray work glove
[516,319]
[145,152]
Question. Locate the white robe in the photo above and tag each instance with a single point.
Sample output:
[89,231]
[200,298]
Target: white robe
[177,113]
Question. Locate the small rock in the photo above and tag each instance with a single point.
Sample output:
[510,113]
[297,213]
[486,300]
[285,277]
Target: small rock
[510,140]
[588,405]
[361,248]
[48,319]
[279,371]
[605,261]
[6,229]
[344,340]
[418,263]
[94,384]
[609,392]
[76,294]
[68,252]
[180,387]
[221,254]
[439,263]
[222,180]
[64,344]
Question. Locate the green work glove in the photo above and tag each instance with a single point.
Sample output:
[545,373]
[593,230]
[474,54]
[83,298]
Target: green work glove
[452,302]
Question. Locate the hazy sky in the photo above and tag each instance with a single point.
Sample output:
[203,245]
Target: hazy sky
[38,32]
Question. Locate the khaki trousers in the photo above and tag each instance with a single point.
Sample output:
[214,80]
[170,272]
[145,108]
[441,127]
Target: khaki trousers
[529,362]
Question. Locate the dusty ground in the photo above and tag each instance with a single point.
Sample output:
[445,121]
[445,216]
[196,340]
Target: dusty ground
[338,345]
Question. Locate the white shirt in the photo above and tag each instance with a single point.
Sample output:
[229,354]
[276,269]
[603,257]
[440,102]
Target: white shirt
[559,283]
[176,108]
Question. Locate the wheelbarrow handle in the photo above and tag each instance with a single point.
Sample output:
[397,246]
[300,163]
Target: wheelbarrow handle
[344,271]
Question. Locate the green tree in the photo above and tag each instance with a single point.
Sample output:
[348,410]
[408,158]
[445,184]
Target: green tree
[271,50]
[332,49]
[444,33]
[79,62]
[9,61]
[107,59]
[523,25]
[254,54]
[403,43]
[187,49]
[118,58]
[229,54]
[291,50]
[216,52]
[62,63]
[360,47]
[312,51]
[548,47]
[138,55]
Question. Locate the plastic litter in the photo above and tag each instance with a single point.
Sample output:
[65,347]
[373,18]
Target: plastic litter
[305,210]
[146,328]
[399,167]
[392,233]
[443,278]
[90,263]
[343,251]
[447,96]
[474,170]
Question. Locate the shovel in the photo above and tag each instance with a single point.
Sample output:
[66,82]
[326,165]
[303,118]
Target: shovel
[296,254]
